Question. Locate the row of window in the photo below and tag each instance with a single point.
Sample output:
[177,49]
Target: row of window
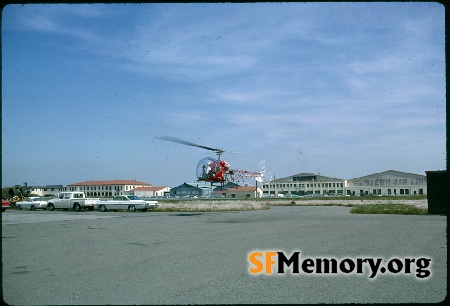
[306,192]
[49,189]
[302,185]
[187,192]
[402,191]
[376,182]
[190,192]
[100,194]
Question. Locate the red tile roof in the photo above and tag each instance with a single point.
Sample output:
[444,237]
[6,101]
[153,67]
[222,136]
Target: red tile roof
[112,182]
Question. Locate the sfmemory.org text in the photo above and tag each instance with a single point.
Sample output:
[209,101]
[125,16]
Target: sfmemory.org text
[276,262]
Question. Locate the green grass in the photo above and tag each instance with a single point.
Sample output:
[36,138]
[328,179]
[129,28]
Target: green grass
[398,209]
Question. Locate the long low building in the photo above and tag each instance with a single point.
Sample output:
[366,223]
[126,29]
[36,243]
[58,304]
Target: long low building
[106,188]
[47,191]
[303,184]
[187,190]
[389,183]
[238,192]
[154,191]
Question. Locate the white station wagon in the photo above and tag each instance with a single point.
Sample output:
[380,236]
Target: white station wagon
[32,203]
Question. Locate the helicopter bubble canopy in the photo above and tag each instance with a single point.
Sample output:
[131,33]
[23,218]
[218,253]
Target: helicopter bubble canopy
[211,169]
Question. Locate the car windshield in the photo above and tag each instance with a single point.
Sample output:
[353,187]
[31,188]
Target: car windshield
[133,197]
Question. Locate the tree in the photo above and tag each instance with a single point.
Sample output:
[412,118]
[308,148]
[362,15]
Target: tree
[24,190]
[11,192]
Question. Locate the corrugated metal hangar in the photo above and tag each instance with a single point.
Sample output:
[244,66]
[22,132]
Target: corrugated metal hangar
[384,183]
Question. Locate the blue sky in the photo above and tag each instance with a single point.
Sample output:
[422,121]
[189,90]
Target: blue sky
[340,89]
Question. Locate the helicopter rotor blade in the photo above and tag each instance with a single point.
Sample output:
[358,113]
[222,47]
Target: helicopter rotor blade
[237,152]
[188,143]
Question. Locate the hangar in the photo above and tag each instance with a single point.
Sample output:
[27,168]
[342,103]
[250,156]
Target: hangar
[305,184]
[190,190]
[388,183]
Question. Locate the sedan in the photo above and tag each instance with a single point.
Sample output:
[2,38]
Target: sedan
[32,203]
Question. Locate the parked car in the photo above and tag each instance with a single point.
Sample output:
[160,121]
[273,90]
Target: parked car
[128,202]
[5,205]
[32,203]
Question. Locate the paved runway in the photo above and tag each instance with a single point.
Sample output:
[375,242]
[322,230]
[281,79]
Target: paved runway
[201,258]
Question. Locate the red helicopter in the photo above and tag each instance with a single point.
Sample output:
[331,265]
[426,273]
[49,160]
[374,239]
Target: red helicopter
[215,170]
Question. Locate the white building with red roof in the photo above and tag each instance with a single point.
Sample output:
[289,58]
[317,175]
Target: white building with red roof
[108,188]
[152,192]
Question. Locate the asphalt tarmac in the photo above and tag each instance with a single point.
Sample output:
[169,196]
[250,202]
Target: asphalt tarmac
[122,258]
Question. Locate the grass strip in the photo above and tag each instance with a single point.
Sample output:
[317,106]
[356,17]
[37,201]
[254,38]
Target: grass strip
[397,209]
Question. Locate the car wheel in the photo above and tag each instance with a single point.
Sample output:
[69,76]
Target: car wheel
[132,208]
[102,208]
[77,207]
[33,207]
[51,207]
[19,207]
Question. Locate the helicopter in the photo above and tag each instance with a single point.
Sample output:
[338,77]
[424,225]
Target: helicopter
[216,170]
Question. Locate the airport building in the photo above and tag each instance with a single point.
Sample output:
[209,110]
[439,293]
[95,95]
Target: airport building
[238,192]
[106,188]
[388,183]
[47,191]
[305,184]
[150,192]
[190,190]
